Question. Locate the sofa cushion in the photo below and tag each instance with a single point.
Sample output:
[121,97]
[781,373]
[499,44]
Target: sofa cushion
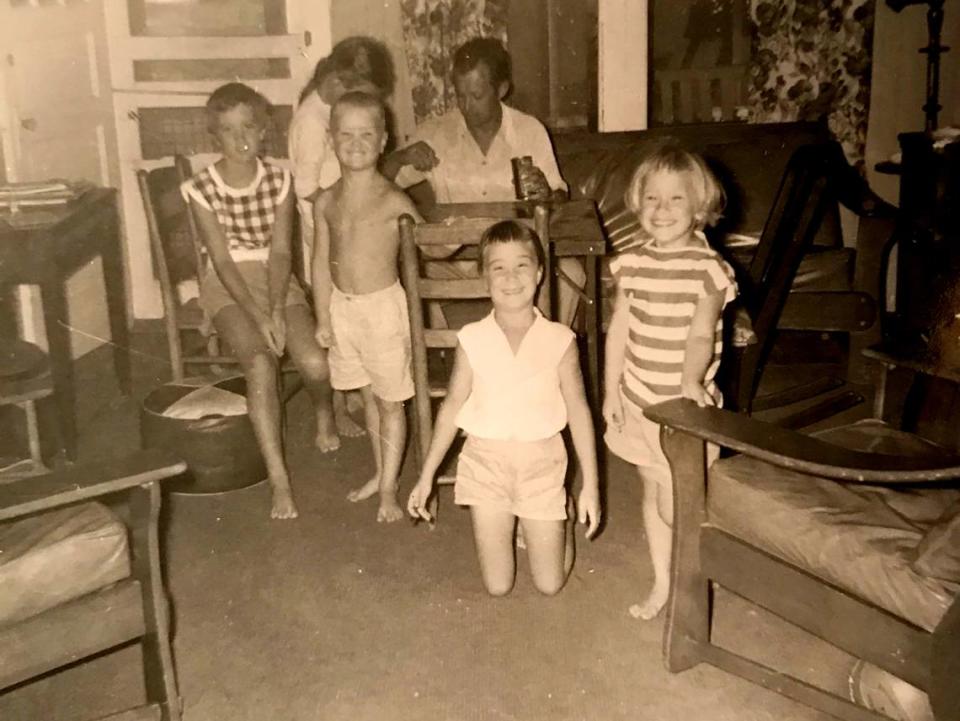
[54,557]
[859,537]
[938,554]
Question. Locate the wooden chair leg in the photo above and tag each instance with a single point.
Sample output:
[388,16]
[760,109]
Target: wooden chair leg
[687,627]
[158,669]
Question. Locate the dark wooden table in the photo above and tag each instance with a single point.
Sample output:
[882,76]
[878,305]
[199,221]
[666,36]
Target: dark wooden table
[575,232]
[44,247]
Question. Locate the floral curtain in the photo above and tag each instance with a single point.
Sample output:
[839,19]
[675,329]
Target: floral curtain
[432,31]
[810,60]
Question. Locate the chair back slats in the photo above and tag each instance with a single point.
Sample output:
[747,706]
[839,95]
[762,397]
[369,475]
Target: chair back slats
[452,289]
[179,258]
[437,338]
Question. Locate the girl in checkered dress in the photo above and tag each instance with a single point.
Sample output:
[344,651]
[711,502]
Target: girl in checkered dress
[244,208]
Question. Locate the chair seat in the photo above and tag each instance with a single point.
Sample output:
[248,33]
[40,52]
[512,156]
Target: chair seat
[51,558]
[858,537]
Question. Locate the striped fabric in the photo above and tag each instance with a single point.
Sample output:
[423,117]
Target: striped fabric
[245,214]
[662,287]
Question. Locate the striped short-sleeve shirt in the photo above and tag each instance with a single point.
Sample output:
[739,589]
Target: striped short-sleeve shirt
[245,214]
[662,289]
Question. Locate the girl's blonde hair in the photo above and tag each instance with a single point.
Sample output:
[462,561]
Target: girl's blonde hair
[708,196]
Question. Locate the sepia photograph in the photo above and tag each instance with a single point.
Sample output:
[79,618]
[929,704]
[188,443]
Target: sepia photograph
[479,360]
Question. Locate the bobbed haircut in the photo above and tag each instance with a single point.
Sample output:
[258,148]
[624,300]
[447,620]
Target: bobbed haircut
[229,96]
[708,196]
[355,59]
[510,231]
[488,51]
[360,100]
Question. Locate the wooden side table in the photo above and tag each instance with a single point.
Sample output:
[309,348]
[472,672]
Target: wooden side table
[46,246]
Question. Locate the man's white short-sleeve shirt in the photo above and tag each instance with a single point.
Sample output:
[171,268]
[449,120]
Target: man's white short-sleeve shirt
[465,175]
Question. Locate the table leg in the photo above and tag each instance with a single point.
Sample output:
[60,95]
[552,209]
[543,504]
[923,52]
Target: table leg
[111,255]
[593,325]
[53,299]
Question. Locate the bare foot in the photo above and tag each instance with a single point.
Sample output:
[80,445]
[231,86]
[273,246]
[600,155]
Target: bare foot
[326,439]
[283,505]
[348,427]
[365,491]
[651,608]
[389,510]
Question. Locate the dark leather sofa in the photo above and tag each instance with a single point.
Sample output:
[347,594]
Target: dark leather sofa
[749,160]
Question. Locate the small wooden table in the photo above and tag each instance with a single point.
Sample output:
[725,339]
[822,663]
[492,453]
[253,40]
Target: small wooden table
[575,232]
[46,246]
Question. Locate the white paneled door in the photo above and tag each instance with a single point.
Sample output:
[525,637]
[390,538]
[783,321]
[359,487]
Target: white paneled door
[166,56]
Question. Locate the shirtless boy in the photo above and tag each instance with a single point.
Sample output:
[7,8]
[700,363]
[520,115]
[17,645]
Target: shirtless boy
[360,304]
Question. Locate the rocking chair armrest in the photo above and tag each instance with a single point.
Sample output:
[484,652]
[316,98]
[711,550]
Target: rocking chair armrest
[85,481]
[798,452]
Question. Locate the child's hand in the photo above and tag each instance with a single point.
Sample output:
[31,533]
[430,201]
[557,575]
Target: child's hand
[613,410]
[697,393]
[588,510]
[324,335]
[268,332]
[417,502]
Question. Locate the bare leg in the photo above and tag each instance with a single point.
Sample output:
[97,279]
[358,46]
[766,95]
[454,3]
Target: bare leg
[263,399]
[342,407]
[393,437]
[546,549]
[372,416]
[493,536]
[311,361]
[657,520]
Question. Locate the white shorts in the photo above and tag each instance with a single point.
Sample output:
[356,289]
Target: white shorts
[371,342]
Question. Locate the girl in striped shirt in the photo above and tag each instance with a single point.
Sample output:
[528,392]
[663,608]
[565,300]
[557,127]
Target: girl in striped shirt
[665,335]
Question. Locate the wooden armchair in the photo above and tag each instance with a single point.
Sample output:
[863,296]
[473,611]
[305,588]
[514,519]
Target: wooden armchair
[420,289]
[851,535]
[79,578]
[808,189]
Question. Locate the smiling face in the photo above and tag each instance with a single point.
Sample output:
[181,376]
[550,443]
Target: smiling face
[667,208]
[512,273]
[239,133]
[478,98]
[359,136]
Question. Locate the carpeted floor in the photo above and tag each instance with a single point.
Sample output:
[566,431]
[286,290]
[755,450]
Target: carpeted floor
[334,616]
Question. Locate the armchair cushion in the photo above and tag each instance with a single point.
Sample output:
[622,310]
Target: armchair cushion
[938,554]
[50,558]
[859,537]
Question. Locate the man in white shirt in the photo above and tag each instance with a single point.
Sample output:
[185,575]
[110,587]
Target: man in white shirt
[464,156]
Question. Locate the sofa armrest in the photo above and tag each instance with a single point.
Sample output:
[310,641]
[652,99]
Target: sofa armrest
[85,481]
[799,452]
